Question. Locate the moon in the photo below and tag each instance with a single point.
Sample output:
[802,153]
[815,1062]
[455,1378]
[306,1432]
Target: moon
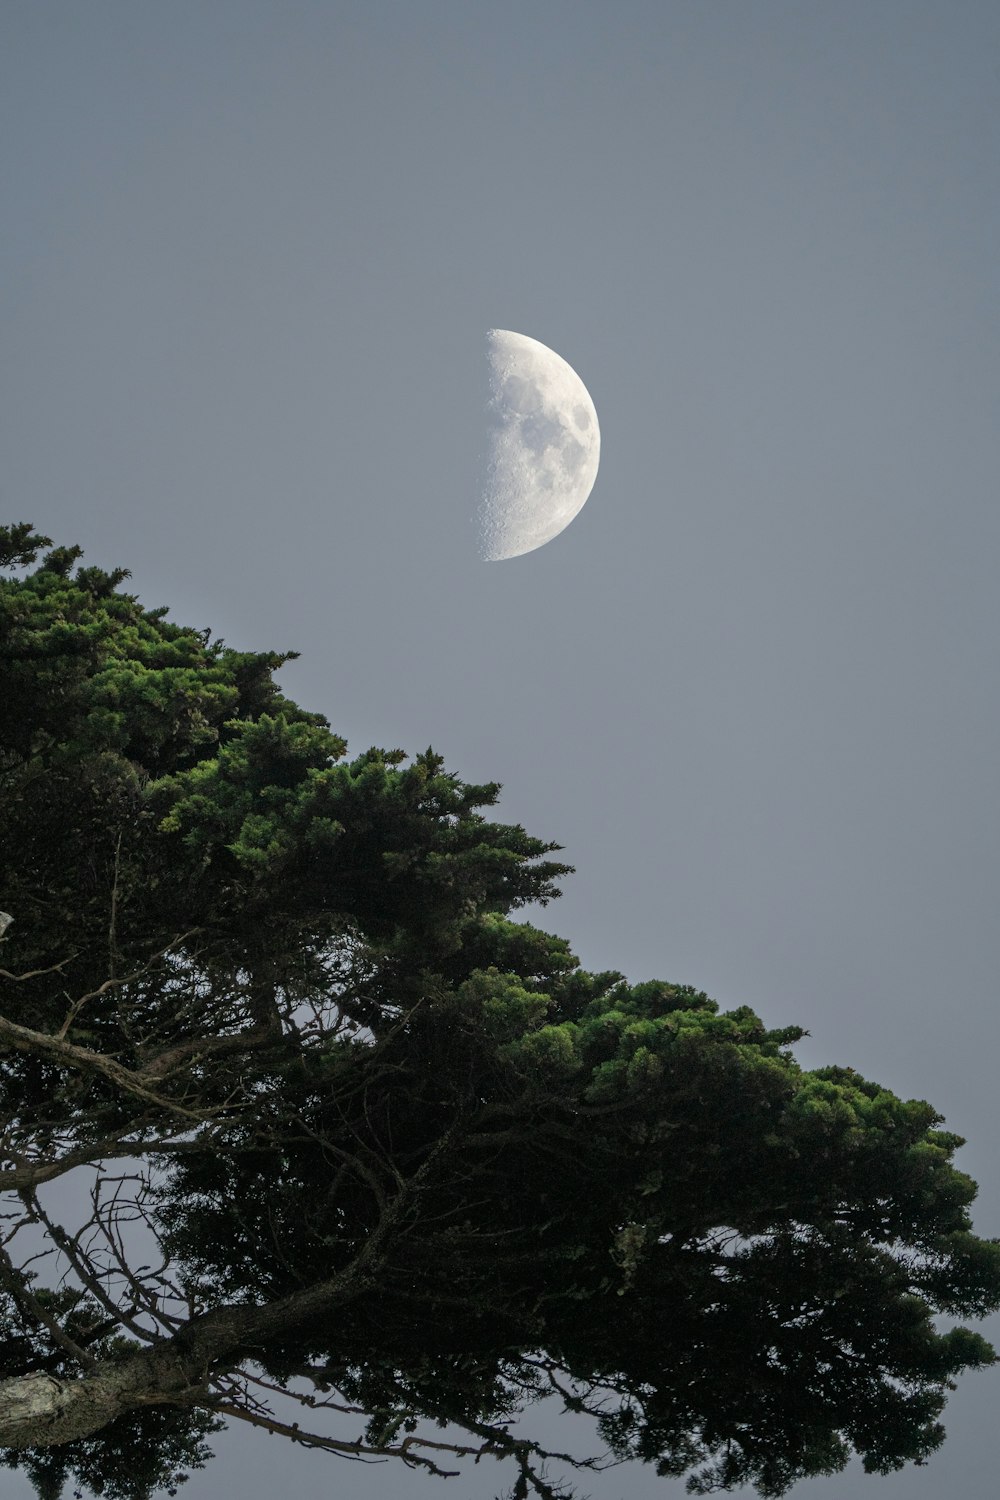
[544,446]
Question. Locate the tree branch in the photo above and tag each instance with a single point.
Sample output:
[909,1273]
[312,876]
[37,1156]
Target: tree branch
[82,1060]
[356,1449]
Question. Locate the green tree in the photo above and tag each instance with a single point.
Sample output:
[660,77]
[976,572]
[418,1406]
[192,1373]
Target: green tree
[357,1141]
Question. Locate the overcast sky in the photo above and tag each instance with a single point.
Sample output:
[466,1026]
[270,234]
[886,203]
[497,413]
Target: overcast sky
[251,251]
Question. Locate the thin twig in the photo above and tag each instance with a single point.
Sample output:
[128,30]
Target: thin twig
[357,1449]
[31,1309]
[86,1273]
[37,973]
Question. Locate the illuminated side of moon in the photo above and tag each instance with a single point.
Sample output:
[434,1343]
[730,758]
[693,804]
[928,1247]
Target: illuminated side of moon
[544,446]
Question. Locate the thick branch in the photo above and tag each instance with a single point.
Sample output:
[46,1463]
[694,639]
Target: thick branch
[25,1173]
[39,1411]
[196,1048]
[42,1411]
[81,1060]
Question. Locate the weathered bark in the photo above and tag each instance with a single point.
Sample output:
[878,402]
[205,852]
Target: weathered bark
[40,1410]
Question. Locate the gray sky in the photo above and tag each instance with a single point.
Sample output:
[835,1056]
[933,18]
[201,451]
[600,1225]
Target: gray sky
[250,254]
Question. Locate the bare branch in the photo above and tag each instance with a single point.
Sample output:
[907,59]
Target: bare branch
[37,973]
[113,917]
[165,1064]
[85,1271]
[117,983]
[404,1451]
[16,1282]
[82,1060]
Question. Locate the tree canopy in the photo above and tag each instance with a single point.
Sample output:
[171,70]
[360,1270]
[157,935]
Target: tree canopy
[366,1162]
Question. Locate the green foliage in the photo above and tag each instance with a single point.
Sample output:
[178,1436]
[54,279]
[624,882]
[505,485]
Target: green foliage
[664,1203]
[155,781]
[20,545]
[145,1451]
[148,1451]
[572,1182]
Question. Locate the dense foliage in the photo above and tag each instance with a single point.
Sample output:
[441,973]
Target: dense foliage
[400,1157]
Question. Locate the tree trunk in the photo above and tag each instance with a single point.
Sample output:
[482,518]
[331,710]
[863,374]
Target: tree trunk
[41,1410]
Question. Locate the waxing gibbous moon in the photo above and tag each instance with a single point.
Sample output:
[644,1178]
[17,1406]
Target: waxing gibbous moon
[544,446]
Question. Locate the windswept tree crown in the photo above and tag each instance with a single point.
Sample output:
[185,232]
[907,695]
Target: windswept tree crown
[400,1159]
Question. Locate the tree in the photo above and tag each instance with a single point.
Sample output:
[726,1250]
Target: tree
[353,1138]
